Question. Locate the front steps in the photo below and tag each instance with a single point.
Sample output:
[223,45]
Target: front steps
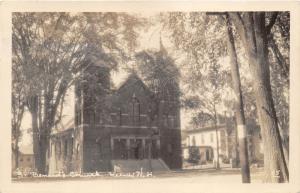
[152,165]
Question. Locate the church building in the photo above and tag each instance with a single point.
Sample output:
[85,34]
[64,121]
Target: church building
[132,127]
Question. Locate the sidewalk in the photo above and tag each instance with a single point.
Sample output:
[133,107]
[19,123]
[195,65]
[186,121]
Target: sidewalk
[208,175]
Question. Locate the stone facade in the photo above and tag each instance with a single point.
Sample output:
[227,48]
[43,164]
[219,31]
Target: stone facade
[129,123]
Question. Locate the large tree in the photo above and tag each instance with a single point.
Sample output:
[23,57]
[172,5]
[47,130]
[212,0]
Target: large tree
[239,102]
[161,74]
[253,30]
[52,49]
[202,40]
[278,44]
[17,110]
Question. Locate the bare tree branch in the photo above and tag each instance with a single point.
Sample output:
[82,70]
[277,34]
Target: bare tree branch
[271,23]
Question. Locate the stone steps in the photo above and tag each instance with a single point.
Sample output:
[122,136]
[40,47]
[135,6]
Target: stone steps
[154,165]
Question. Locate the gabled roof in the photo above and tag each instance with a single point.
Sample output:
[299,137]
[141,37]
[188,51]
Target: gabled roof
[68,131]
[207,128]
[132,79]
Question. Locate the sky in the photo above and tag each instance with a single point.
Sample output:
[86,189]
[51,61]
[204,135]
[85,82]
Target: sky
[149,39]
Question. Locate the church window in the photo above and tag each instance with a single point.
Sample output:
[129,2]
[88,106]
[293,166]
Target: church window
[99,149]
[120,116]
[172,122]
[165,120]
[135,109]
[92,116]
[169,147]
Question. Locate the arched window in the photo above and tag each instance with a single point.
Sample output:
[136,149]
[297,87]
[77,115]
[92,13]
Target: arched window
[135,109]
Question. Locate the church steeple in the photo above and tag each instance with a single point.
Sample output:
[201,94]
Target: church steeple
[162,48]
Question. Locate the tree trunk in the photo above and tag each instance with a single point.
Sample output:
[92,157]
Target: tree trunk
[16,149]
[285,72]
[33,109]
[44,143]
[235,156]
[285,144]
[239,106]
[274,163]
[217,138]
[218,156]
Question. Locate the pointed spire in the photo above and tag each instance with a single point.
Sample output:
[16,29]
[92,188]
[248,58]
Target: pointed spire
[161,45]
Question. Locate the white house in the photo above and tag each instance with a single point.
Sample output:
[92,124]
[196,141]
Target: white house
[206,140]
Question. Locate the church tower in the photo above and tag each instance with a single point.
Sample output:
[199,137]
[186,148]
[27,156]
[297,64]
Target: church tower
[91,91]
[90,94]
[167,93]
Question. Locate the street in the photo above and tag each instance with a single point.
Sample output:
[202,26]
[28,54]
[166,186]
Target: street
[225,175]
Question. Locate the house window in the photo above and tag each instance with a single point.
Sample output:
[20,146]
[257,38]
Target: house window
[59,149]
[72,142]
[65,148]
[79,117]
[212,137]
[50,149]
[193,141]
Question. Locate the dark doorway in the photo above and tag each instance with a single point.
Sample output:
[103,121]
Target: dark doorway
[207,155]
[136,152]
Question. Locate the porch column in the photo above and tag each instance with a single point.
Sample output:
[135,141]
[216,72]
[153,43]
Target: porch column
[112,143]
[144,147]
[226,144]
[128,147]
[112,147]
[158,147]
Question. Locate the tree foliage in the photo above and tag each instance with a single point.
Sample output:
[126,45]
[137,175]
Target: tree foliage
[160,72]
[195,34]
[52,49]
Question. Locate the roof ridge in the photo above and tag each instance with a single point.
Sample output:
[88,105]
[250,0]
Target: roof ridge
[131,75]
